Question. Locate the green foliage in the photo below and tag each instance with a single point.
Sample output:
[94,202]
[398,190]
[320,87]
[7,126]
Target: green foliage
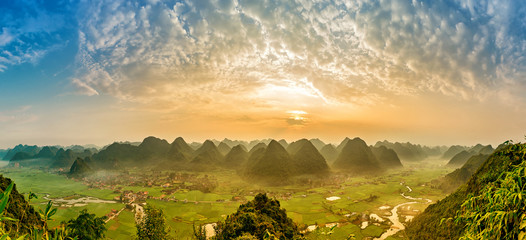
[498,212]
[86,227]
[199,232]
[47,213]
[152,226]
[19,209]
[4,198]
[487,185]
[263,218]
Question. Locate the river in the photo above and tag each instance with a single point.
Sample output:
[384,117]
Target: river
[397,225]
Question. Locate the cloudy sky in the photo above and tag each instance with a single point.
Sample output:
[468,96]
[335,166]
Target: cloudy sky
[430,72]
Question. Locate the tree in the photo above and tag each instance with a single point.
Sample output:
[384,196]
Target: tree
[86,227]
[499,211]
[152,225]
[262,218]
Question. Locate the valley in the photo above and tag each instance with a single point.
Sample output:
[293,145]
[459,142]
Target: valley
[361,205]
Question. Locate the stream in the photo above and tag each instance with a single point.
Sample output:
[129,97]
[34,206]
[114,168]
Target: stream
[397,225]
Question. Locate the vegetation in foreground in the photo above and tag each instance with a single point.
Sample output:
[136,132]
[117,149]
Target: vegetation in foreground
[259,218]
[488,206]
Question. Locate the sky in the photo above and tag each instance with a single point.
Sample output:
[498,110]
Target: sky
[430,72]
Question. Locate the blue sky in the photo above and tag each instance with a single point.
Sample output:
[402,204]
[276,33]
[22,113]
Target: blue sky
[433,72]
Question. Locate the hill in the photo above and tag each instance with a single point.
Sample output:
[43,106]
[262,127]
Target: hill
[491,173]
[153,148]
[256,147]
[236,158]
[31,150]
[307,159]
[47,152]
[21,156]
[273,166]
[357,158]
[3,152]
[63,159]
[453,180]
[405,151]
[80,168]
[317,143]
[453,150]
[254,218]
[488,149]
[223,148]
[124,153]
[342,144]
[179,151]
[207,156]
[460,158]
[329,152]
[283,143]
[19,208]
[386,157]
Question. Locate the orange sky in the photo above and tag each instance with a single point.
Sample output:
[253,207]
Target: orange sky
[426,72]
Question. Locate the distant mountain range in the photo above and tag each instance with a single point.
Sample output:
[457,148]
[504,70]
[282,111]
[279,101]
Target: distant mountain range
[256,160]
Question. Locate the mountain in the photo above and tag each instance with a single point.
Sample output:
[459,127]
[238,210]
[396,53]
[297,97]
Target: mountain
[460,158]
[236,157]
[294,147]
[206,156]
[307,159]
[21,156]
[489,175]
[123,153]
[223,148]
[317,143]
[63,159]
[452,151]
[406,151]
[342,144]
[18,208]
[31,150]
[47,152]
[329,152]
[179,151]
[283,143]
[154,148]
[80,168]
[3,152]
[488,149]
[386,157]
[273,166]
[233,143]
[476,148]
[357,158]
[434,151]
[195,145]
[461,175]
[256,147]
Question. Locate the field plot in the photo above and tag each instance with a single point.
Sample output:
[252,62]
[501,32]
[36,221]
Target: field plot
[355,205]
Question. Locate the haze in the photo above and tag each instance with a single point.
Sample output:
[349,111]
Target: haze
[430,72]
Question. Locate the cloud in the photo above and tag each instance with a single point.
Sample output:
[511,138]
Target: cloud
[20,115]
[339,51]
[29,31]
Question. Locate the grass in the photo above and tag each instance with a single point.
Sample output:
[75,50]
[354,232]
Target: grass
[306,206]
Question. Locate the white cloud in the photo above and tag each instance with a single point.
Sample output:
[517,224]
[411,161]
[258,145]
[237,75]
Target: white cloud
[350,51]
[28,33]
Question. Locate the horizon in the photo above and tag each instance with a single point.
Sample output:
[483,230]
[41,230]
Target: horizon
[189,141]
[429,73]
